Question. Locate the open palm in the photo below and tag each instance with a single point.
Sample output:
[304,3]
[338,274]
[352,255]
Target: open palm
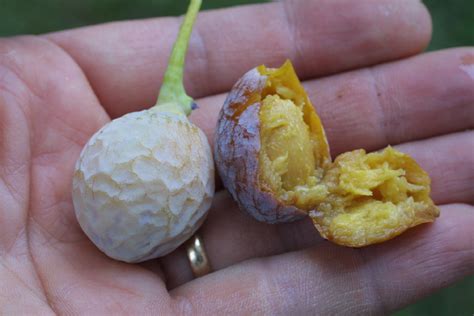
[57,90]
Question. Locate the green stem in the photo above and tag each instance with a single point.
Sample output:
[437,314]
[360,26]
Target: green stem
[172,95]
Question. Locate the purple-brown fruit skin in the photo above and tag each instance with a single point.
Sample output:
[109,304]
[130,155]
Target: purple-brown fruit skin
[236,152]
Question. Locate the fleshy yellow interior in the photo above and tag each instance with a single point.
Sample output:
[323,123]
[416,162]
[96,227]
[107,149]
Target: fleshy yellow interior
[287,160]
[357,200]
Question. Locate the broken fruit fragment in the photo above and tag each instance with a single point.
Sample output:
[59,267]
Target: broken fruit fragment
[373,197]
[273,157]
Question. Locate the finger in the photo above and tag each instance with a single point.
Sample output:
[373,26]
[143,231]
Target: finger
[420,97]
[125,61]
[450,162]
[232,236]
[328,279]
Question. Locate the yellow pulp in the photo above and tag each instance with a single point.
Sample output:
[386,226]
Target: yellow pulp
[357,200]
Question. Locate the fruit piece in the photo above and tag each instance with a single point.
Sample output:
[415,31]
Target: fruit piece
[273,157]
[238,143]
[372,198]
[144,182]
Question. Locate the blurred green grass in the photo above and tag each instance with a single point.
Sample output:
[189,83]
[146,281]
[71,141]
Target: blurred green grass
[41,16]
[453,23]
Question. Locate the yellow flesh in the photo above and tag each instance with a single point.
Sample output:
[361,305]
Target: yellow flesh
[288,165]
[360,198]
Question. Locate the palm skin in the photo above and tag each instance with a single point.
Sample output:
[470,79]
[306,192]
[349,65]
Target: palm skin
[57,90]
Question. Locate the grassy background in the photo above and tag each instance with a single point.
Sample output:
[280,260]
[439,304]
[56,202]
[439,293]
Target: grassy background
[453,20]
[453,23]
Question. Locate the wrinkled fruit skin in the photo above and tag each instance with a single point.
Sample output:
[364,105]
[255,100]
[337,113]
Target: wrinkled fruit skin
[143,185]
[272,155]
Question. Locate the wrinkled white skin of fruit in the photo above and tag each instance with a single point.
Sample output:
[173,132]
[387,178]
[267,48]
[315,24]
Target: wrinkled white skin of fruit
[143,185]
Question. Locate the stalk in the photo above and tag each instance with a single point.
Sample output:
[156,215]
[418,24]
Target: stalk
[172,96]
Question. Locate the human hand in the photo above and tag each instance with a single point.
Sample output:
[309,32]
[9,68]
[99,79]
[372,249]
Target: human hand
[57,90]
